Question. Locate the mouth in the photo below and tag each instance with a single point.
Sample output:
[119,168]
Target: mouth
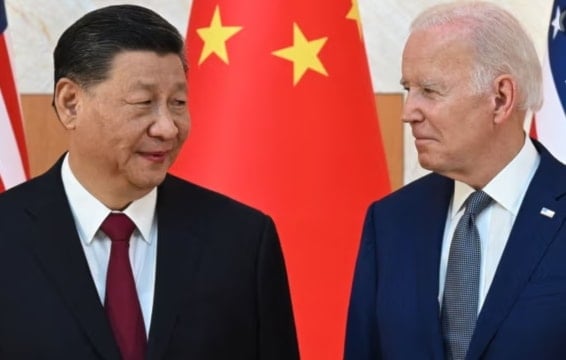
[423,138]
[422,141]
[155,156]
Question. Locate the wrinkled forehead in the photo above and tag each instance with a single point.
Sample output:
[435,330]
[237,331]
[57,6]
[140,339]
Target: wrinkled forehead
[437,37]
[437,54]
[443,46]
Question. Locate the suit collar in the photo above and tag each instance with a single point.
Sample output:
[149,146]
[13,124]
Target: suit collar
[57,248]
[509,186]
[178,253]
[430,219]
[89,212]
[530,237]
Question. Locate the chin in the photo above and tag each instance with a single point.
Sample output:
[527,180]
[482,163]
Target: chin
[427,163]
[149,182]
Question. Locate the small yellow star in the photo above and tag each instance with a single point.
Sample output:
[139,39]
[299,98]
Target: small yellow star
[303,54]
[354,14]
[215,37]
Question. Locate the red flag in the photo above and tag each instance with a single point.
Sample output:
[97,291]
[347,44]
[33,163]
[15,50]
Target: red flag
[550,123]
[284,119]
[13,157]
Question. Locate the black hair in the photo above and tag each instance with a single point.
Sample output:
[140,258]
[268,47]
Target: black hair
[85,51]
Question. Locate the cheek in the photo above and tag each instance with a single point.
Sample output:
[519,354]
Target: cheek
[90,135]
[120,143]
[184,128]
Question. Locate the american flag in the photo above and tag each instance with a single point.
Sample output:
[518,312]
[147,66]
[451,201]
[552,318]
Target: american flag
[550,121]
[13,157]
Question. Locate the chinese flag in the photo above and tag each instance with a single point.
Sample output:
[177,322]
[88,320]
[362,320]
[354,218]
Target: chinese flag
[13,157]
[284,119]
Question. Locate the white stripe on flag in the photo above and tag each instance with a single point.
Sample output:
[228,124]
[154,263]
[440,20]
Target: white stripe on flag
[11,165]
[550,120]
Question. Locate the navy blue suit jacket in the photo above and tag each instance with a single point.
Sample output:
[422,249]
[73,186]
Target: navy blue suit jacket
[394,310]
[220,290]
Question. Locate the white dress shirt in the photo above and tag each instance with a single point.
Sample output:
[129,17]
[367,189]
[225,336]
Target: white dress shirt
[89,213]
[507,189]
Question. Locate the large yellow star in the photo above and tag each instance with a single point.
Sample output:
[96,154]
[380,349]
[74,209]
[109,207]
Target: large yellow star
[303,54]
[354,14]
[215,37]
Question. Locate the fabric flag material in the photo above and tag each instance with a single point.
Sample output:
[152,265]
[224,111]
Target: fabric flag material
[13,156]
[549,125]
[284,119]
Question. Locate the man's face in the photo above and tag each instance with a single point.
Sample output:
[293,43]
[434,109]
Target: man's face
[130,127]
[451,122]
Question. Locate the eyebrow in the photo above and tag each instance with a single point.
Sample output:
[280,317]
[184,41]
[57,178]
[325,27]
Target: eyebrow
[429,83]
[140,84]
[423,84]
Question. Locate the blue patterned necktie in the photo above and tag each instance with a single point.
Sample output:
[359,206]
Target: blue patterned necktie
[461,290]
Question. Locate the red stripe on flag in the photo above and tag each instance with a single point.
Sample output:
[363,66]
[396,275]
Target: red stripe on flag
[12,101]
[533,130]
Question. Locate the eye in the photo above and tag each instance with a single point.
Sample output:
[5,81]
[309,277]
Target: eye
[179,102]
[430,92]
[140,102]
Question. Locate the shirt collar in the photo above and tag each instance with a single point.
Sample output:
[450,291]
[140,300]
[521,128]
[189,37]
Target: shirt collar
[89,212]
[509,186]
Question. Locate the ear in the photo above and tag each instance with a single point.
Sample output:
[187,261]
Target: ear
[66,101]
[505,91]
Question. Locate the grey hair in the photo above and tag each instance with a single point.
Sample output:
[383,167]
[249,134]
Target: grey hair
[501,46]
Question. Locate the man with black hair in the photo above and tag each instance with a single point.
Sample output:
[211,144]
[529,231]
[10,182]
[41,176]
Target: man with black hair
[106,256]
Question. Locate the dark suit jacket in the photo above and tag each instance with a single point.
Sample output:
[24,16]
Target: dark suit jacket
[394,310]
[221,288]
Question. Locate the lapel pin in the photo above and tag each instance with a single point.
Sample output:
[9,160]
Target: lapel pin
[547,212]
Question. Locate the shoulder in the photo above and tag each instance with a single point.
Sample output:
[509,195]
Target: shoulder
[35,190]
[550,176]
[219,221]
[548,163]
[18,205]
[415,193]
[31,191]
[196,200]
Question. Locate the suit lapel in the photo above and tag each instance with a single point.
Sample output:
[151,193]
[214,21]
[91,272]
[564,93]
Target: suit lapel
[58,250]
[178,255]
[429,233]
[530,237]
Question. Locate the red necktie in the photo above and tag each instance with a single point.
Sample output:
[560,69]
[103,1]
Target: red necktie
[121,304]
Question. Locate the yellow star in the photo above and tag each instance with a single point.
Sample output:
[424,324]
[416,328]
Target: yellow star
[215,37]
[303,54]
[354,14]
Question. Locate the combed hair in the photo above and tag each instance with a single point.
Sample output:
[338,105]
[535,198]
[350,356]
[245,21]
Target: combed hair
[501,46]
[85,51]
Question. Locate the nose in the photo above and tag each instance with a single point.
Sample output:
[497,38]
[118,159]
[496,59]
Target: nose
[165,125]
[411,110]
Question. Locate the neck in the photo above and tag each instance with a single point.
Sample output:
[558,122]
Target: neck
[501,152]
[112,192]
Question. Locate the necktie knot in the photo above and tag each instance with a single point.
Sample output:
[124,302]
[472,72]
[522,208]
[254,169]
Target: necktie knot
[477,202]
[118,227]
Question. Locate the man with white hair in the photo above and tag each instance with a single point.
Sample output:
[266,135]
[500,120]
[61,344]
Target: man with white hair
[468,262]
